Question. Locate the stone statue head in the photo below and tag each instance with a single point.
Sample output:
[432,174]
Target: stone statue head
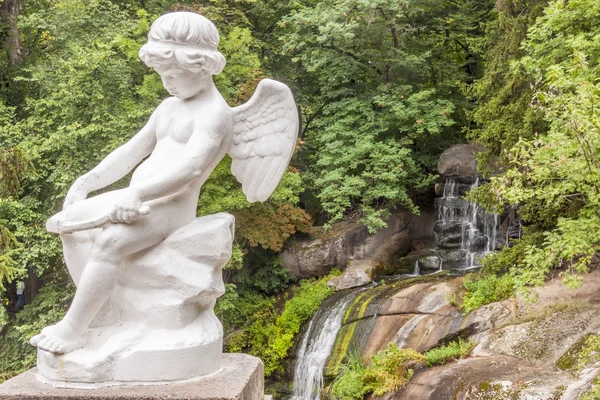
[184,40]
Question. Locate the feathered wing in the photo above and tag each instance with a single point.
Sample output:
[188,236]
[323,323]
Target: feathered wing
[264,136]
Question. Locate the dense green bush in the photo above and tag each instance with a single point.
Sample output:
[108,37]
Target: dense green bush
[452,351]
[484,289]
[349,383]
[388,370]
[261,328]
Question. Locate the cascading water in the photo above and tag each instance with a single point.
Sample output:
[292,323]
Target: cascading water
[417,270]
[464,231]
[316,347]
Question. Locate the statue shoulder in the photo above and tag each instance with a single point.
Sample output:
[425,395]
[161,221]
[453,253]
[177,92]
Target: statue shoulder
[215,114]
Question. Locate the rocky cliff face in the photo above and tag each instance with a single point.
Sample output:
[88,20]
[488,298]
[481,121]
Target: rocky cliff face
[348,241]
[519,344]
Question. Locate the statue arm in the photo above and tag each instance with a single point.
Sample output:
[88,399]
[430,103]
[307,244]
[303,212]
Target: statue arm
[200,149]
[117,164]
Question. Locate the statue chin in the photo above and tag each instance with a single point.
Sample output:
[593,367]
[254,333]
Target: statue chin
[159,313]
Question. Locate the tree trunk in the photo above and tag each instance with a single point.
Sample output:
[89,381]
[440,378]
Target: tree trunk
[9,13]
[32,285]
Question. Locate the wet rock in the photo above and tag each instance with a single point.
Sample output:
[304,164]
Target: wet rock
[348,241]
[497,377]
[454,207]
[450,242]
[358,273]
[453,256]
[429,264]
[477,241]
[416,317]
[449,228]
[517,354]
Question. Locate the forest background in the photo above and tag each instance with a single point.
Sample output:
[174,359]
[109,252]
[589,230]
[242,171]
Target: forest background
[383,87]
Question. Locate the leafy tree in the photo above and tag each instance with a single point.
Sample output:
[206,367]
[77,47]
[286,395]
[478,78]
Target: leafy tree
[503,93]
[381,97]
[553,175]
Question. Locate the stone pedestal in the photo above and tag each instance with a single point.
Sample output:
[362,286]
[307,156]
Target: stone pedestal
[242,378]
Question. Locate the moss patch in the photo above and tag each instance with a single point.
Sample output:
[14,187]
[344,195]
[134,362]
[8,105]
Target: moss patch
[544,336]
[487,390]
[570,359]
[594,392]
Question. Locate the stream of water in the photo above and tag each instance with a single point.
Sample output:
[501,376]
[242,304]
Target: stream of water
[316,347]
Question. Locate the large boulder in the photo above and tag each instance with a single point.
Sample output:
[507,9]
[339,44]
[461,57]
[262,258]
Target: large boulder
[517,340]
[521,345]
[459,160]
[347,241]
[357,274]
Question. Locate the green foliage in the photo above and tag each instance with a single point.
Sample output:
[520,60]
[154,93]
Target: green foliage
[590,352]
[484,289]
[260,329]
[389,370]
[48,308]
[272,341]
[349,384]
[238,311]
[594,392]
[552,174]
[452,351]
[378,85]
[268,277]
[503,93]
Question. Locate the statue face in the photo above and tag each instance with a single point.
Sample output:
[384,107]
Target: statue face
[179,82]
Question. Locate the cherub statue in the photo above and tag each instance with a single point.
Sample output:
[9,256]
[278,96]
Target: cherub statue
[186,137]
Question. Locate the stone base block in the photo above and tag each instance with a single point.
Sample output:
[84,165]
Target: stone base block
[242,378]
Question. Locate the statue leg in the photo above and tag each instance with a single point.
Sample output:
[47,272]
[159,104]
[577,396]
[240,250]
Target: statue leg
[99,276]
[77,247]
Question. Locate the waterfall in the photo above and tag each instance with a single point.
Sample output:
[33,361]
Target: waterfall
[464,231]
[316,347]
[417,270]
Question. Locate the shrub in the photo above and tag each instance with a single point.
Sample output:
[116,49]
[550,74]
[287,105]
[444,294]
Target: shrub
[484,289]
[452,351]
[349,383]
[50,305]
[390,369]
[263,331]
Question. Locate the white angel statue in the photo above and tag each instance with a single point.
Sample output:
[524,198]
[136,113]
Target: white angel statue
[183,141]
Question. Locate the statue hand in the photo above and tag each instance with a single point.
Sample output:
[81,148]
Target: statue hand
[128,208]
[76,193]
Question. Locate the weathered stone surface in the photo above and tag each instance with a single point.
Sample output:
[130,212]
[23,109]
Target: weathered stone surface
[357,274]
[517,353]
[418,317]
[483,378]
[241,379]
[348,241]
[459,160]
[429,264]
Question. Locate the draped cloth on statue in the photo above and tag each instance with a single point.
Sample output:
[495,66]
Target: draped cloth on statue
[158,325]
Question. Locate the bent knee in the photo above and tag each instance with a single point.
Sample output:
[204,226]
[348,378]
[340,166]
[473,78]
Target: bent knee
[110,246]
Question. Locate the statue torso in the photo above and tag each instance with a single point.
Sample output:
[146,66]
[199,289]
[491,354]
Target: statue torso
[176,121]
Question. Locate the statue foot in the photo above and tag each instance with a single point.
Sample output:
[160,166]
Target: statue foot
[60,338]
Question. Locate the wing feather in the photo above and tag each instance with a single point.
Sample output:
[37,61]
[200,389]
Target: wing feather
[264,137]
